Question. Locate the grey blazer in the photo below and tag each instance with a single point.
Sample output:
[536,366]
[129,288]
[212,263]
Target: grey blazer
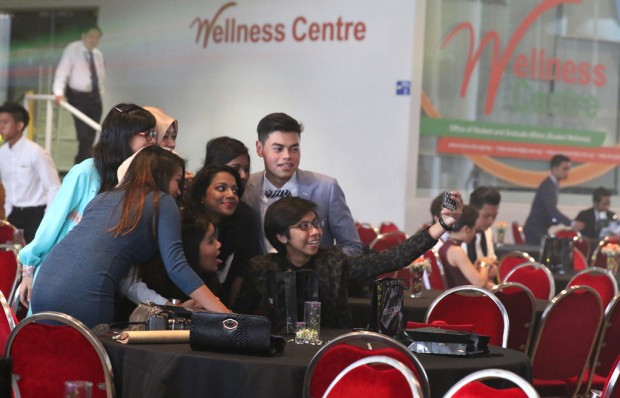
[332,208]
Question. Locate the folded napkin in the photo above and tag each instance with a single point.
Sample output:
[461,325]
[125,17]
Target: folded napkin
[153,336]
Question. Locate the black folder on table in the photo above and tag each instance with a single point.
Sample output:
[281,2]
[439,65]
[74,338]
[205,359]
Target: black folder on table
[431,340]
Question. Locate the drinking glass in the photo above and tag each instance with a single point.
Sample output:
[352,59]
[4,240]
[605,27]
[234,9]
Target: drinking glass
[18,239]
[78,389]
[312,318]
[300,333]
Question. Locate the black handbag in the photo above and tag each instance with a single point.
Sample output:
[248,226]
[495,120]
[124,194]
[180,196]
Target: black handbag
[386,306]
[238,333]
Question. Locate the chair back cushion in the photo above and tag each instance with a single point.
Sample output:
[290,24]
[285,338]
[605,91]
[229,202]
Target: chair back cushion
[340,356]
[565,340]
[604,285]
[464,309]
[6,232]
[367,233]
[387,241]
[535,279]
[510,261]
[521,311]
[8,271]
[610,338]
[477,389]
[45,356]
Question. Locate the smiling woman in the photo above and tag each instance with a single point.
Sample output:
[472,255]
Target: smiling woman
[294,230]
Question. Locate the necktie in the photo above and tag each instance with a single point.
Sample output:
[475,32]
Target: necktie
[93,73]
[483,244]
[471,250]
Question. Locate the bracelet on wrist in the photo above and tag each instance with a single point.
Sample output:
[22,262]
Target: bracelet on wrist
[444,225]
[28,271]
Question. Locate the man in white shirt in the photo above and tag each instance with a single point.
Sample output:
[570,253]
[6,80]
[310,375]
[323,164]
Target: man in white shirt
[27,172]
[80,76]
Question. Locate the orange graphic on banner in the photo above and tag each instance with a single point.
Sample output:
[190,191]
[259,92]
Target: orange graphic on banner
[529,178]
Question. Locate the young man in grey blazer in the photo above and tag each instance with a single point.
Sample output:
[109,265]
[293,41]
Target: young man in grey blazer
[278,145]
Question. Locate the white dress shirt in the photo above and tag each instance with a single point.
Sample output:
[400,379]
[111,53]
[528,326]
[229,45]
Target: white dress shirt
[28,174]
[488,235]
[74,69]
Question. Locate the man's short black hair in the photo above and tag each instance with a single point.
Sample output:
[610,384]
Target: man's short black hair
[484,195]
[18,112]
[277,122]
[599,193]
[558,159]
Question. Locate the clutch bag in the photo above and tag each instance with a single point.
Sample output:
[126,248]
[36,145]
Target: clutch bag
[238,333]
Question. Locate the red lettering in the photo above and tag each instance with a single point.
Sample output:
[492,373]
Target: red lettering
[255,33]
[498,61]
[601,78]
[520,67]
[207,26]
[218,32]
[280,35]
[568,72]
[360,31]
[296,36]
[584,73]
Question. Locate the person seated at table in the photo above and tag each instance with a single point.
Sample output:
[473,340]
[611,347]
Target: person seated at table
[125,226]
[201,249]
[486,200]
[239,233]
[590,221]
[457,266]
[294,230]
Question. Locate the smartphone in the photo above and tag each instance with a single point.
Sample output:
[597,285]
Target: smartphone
[448,202]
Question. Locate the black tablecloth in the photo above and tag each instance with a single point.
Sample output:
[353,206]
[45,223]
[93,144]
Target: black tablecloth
[174,370]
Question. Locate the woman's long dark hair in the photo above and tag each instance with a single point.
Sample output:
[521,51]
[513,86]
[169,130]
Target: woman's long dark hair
[119,126]
[150,171]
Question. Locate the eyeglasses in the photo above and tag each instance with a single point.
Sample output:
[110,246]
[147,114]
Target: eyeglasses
[308,225]
[149,135]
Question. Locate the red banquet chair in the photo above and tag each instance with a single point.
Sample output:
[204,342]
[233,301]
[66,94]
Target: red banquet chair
[565,341]
[437,278]
[611,388]
[598,279]
[599,259]
[517,233]
[580,261]
[387,241]
[470,305]
[388,226]
[344,350]
[367,233]
[608,347]
[510,261]
[7,323]
[45,355]
[370,381]
[9,271]
[521,308]
[472,386]
[535,277]
[7,231]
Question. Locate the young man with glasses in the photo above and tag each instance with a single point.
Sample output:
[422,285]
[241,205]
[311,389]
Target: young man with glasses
[278,145]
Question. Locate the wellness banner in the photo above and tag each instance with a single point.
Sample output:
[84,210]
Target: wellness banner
[507,81]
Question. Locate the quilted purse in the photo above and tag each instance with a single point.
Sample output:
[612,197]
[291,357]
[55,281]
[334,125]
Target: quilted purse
[238,333]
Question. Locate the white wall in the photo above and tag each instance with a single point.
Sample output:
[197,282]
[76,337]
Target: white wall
[356,128]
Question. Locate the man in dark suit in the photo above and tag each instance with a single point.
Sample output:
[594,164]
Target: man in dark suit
[592,220]
[544,211]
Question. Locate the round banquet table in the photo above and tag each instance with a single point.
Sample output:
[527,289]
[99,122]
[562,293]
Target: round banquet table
[174,370]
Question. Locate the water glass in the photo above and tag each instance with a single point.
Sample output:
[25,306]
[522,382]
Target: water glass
[18,239]
[312,318]
[300,333]
[78,389]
